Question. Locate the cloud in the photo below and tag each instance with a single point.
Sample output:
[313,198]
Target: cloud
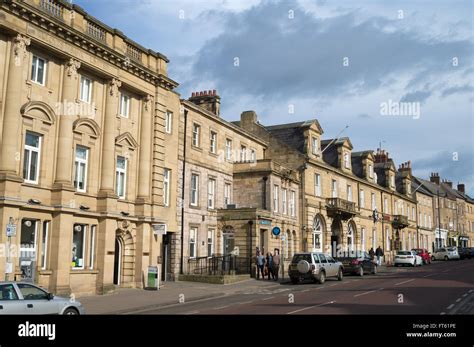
[466,88]
[418,96]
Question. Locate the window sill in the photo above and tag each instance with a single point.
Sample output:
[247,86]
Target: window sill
[197,148]
[84,271]
[213,154]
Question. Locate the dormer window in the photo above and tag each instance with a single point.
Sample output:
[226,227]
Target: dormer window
[375,177]
[408,188]
[371,171]
[314,145]
[346,160]
[392,181]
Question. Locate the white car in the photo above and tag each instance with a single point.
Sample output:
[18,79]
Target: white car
[408,258]
[445,253]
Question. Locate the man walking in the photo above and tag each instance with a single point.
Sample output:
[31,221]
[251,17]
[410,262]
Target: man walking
[260,265]
[276,263]
[379,254]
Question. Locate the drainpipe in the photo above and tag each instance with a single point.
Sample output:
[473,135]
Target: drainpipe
[181,265]
[250,246]
[303,209]
[265,178]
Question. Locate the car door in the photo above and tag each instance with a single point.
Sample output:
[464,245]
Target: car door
[10,302]
[332,266]
[35,300]
[325,264]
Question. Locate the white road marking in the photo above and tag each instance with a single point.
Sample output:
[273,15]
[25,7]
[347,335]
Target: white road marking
[399,283]
[192,312]
[442,313]
[446,270]
[429,275]
[332,285]
[221,307]
[245,302]
[365,293]
[450,307]
[470,290]
[307,308]
[304,291]
[272,297]
[458,300]
[464,295]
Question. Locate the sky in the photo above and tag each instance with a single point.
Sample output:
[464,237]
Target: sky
[400,74]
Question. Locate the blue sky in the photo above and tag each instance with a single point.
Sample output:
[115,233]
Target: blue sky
[337,61]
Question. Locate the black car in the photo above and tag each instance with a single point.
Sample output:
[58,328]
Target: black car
[465,252]
[358,264]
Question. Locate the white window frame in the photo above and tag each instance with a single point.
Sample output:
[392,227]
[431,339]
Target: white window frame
[373,201]
[84,238]
[213,141]
[169,122]
[166,186]
[227,194]
[243,153]
[44,245]
[314,145]
[228,149]
[211,193]
[362,239]
[292,203]
[317,184]
[33,252]
[124,105]
[194,190]
[413,214]
[210,242]
[392,181]
[317,234]
[192,242]
[334,188]
[385,204]
[34,70]
[31,149]
[374,238]
[276,192]
[371,171]
[196,139]
[284,193]
[346,160]
[361,198]
[77,166]
[253,155]
[92,246]
[387,239]
[85,97]
[121,172]
[349,193]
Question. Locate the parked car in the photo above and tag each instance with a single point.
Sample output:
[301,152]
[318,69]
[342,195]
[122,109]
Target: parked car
[314,266]
[359,264]
[445,253]
[424,254]
[26,298]
[465,252]
[407,258]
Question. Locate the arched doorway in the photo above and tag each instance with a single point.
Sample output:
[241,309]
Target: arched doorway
[351,236]
[118,261]
[228,239]
[336,236]
[317,235]
[124,259]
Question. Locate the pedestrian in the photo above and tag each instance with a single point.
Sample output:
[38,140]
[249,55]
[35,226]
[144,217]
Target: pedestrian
[269,266]
[379,254]
[260,265]
[371,253]
[276,263]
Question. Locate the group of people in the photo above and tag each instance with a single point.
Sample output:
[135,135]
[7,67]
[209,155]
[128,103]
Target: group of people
[268,265]
[378,253]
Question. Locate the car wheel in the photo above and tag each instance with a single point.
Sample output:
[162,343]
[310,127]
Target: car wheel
[340,275]
[374,271]
[70,312]
[361,272]
[295,280]
[322,277]
[446,257]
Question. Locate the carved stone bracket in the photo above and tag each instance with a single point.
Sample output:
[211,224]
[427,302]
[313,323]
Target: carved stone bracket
[114,86]
[19,48]
[71,68]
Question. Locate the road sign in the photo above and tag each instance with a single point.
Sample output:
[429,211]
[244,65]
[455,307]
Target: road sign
[11,230]
[276,231]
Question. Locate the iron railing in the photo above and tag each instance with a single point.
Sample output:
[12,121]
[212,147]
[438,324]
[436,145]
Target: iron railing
[218,265]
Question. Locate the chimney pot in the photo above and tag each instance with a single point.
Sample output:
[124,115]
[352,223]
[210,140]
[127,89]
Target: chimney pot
[193,94]
[461,187]
[201,93]
[214,92]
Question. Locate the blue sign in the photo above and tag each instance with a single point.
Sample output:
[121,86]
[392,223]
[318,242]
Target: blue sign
[265,222]
[276,231]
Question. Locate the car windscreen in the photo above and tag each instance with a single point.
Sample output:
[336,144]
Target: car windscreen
[298,257]
[451,249]
[403,253]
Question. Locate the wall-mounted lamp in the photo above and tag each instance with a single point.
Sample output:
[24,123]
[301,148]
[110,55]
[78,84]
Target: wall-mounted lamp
[27,223]
[84,207]
[34,201]
[123,213]
[77,228]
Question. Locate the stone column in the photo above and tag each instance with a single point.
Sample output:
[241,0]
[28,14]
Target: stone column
[12,120]
[65,141]
[108,143]
[144,169]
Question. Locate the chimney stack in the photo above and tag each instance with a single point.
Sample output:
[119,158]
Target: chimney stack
[462,187]
[207,99]
[381,156]
[434,178]
[448,183]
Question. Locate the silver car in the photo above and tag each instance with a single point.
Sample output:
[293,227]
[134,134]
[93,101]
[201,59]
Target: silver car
[26,298]
[314,266]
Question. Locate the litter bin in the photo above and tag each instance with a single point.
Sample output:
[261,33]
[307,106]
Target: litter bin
[153,279]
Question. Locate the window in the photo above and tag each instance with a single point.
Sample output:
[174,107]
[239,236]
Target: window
[86,89]
[374,238]
[314,145]
[228,149]
[227,199]
[253,155]
[362,239]
[362,198]
[392,181]
[275,198]
[346,160]
[385,204]
[429,222]
[243,153]
[194,190]
[292,203]
[317,184]
[192,242]
[408,188]
[30,292]
[426,221]
[387,239]
[28,237]
[92,247]
[31,160]
[166,187]
[78,246]
[317,234]
[121,177]
[283,200]
[168,122]
[213,140]
[80,168]
[210,242]
[413,215]
[211,188]
[44,245]
[375,177]
[334,188]
[196,134]
[350,237]
[371,170]
[124,105]
[8,292]
[349,193]
[374,204]
[38,70]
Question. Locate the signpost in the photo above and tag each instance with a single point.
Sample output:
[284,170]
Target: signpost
[11,231]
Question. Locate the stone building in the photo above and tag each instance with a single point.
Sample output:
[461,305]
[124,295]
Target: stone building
[85,117]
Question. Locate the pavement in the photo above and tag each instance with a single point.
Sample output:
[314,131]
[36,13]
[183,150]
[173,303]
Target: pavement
[439,288]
